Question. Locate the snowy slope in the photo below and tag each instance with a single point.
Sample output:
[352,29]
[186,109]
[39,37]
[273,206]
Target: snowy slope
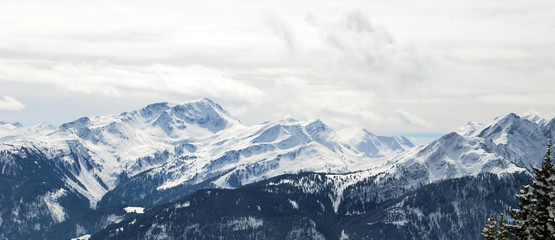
[509,144]
[10,132]
[480,154]
[521,139]
[165,150]
[372,145]
[188,143]
[98,149]
[240,156]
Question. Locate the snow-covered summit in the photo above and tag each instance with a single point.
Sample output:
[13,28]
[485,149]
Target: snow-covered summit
[6,127]
[10,126]
[508,144]
[10,132]
[372,145]
[470,128]
[168,116]
[535,119]
[453,156]
[521,139]
[203,112]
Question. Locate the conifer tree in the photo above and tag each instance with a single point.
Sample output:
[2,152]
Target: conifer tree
[543,187]
[550,224]
[502,231]
[535,217]
[523,216]
[490,230]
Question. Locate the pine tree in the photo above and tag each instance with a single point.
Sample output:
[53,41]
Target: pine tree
[490,230]
[543,191]
[524,215]
[502,231]
[535,216]
[550,224]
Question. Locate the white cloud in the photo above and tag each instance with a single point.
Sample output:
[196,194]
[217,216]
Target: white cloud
[411,119]
[347,49]
[264,60]
[10,103]
[120,80]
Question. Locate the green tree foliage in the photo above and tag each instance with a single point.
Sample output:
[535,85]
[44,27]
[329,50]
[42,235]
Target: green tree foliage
[543,188]
[493,231]
[490,230]
[535,217]
[502,231]
[523,216]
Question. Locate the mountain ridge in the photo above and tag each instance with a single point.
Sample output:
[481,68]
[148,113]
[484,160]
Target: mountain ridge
[170,149]
[164,151]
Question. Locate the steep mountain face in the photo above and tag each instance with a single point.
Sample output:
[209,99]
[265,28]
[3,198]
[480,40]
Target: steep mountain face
[33,192]
[158,154]
[509,144]
[94,153]
[304,207]
[516,138]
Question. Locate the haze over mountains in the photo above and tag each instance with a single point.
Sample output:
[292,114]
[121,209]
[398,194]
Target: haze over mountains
[163,152]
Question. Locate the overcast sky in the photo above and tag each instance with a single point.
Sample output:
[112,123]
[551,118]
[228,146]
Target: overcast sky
[419,68]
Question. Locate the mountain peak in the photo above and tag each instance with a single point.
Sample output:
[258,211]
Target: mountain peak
[510,116]
[153,109]
[79,123]
[199,104]
[208,101]
[371,145]
[203,112]
[316,126]
[288,120]
[471,128]
[319,130]
[13,125]
[535,119]
[364,130]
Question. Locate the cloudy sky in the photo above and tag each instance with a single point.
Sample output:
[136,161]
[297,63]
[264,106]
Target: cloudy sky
[419,68]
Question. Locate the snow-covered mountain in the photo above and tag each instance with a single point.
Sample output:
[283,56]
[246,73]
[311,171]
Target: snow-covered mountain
[516,137]
[443,190]
[165,151]
[374,146]
[160,153]
[506,145]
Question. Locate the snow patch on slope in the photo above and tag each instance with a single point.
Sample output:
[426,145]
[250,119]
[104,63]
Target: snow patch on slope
[245,223]
[84,237]
[139,210]
[294,204]
[56,210]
